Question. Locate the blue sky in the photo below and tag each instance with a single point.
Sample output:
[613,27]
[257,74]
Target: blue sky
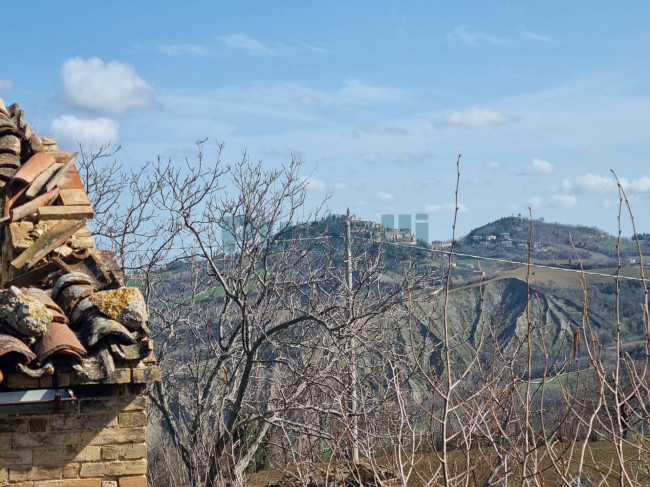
[542,99]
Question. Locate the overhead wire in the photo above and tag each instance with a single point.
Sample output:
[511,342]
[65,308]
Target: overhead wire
[447,252]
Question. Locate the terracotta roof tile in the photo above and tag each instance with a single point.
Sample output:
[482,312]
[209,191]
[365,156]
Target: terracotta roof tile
[64,308]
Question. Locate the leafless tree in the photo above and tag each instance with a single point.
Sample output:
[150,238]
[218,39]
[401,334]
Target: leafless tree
[284,345]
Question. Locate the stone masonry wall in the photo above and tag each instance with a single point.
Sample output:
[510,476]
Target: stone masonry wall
[100,443]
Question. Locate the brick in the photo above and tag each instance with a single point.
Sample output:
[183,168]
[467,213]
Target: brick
[133,451]
[82,483]
[13,458]
[110,452]
[67,483]
[20,381]
[117,403]
[70,471]
[87,422]
[133,419]
[37,425]
[150,373]
[12,425]
[138,403]
[114,437]
[34,473]
[50,456]
[139,481]
[109,483]
[113,468]
[64,379]
[93,454]
[5,442]
[22,484]
[4,476]
[120,376]
[52,438]
[19,234]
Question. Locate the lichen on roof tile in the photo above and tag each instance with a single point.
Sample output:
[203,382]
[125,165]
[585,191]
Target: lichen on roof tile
[125,305]
[25,314]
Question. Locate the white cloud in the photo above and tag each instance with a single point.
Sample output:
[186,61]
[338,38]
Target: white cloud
[6,85]
[241,42]
[564,200]
[341,185]
[432,208]
[111,87]
[475,117]
[70,129]
[248,44]
[381,196]
[537,37]
[464,35]
[540,166]
[535,201]
[597,183]
[315,184]
[641,184]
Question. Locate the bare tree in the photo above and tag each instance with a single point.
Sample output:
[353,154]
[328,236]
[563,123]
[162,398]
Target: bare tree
[287,345]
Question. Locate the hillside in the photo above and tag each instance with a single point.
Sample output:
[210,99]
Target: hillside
[504,317]
[509,236]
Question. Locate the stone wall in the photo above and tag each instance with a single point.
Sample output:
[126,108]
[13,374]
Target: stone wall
[98,442]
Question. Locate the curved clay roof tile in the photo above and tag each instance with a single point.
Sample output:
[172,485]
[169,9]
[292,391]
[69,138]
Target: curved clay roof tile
[10,344]
[36,164]
[59,339]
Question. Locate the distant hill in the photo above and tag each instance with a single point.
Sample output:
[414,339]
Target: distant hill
[509,236]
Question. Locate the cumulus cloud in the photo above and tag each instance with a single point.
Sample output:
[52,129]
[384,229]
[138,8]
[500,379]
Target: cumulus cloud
[6,85]
[70,129]
[535,201]
[597,183]
[475,117]
[641,184]
[564,200]
[315,184]
[540,166]
[109,88]
[381,196]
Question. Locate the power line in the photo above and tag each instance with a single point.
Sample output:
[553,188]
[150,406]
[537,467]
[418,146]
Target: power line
[507,261]
[445,252]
